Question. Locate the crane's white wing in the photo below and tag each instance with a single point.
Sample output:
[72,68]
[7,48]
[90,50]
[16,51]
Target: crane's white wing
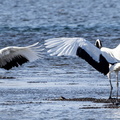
[14,56]
[69,46]
[78,47]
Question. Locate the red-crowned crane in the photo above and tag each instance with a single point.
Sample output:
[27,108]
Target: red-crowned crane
[104,60]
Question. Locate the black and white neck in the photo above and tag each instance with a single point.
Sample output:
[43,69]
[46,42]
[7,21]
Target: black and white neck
[98,44]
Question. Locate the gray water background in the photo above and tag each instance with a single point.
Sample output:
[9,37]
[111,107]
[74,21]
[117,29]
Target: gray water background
[27,96]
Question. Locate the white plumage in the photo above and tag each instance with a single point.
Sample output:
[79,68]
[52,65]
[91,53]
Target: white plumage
[14,56]
[69,46]
[112,55]
[101,59]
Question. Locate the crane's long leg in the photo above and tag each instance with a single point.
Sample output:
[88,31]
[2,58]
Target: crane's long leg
[117,84]
[111,87]
[117,102]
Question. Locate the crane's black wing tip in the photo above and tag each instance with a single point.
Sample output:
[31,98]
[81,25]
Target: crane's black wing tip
[102,66]
[15,62]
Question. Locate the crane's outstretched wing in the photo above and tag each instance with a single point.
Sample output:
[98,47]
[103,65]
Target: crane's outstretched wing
[14,56]
[78,47]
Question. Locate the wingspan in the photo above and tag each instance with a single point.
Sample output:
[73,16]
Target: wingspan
[15,56]
[69,46]
[78,47]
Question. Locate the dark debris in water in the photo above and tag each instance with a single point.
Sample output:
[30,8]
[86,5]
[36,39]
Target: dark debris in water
[106,106]
[112,103]
[86,99]
[37,82]
[4,77]
[20,102]
[101,107]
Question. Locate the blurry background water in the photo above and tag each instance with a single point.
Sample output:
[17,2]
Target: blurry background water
[24,22]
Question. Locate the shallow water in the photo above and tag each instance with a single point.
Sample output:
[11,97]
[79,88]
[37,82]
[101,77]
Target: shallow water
[30,92]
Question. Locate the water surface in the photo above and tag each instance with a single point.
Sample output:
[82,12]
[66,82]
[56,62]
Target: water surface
[28,92]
